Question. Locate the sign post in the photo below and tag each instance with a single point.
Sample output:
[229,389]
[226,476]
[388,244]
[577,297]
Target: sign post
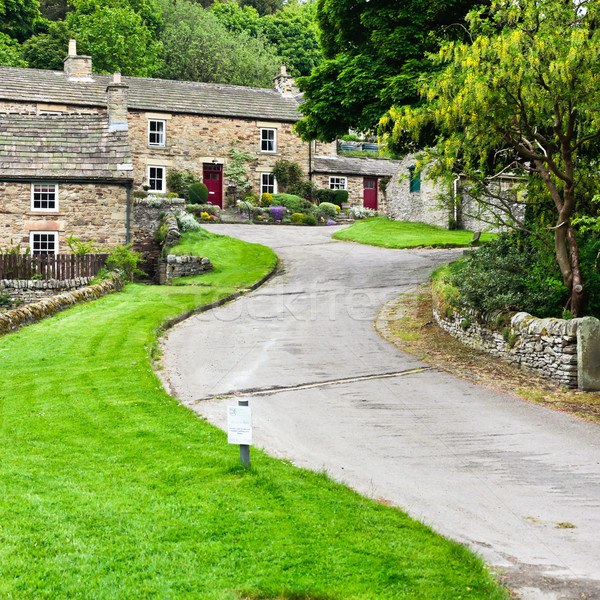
[239,429]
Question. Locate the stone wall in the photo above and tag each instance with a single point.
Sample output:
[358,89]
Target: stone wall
[25,291]
[34,108]
[182,266]
[192,140]
[88,211]
[354,185]
[32,313]
[546,347]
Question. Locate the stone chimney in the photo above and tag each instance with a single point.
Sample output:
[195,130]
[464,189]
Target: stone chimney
[284,83]
[77,68]
[116,92]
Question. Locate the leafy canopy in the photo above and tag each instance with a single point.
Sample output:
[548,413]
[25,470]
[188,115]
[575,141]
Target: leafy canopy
[524,96]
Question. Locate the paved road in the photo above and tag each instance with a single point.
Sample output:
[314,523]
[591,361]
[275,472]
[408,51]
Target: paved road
[327,392]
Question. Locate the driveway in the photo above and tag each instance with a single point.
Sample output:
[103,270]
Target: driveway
[518,483]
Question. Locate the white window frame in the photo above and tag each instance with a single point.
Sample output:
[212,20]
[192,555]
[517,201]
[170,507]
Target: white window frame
[162,179]
[265,185]
[161,135]
[338,183]
[266,140]
[32,235]
[40,184]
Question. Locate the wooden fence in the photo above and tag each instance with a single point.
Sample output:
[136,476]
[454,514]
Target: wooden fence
[50,266]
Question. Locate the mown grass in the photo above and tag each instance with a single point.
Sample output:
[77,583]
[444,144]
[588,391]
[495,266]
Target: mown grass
[380,231]
[112,490]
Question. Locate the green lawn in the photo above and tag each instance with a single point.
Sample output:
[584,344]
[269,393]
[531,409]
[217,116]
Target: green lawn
[380,231]
[110,489]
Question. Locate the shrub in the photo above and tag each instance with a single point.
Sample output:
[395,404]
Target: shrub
[277,212]
[266,199]
[179,182]
[161,233]
[198,193]
[187,222]
[125,260]
[341,196]
[288,175]
[196,209]
[297,218]
[78,247]
[172,195]
[326,195]
[309,220]
[293,203]
[326,209]
[358,212]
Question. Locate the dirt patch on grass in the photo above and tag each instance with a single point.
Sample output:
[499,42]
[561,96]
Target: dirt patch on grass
[408,323]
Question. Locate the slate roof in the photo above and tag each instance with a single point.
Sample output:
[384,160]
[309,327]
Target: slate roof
[158,95]
[63,147]
[346,165]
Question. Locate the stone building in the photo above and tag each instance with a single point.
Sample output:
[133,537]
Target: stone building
[89,140]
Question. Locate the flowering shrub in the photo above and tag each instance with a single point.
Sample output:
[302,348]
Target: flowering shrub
[277,212]
[297,218]
[204,216]
[358,212]
[330,222]
[266,199]
[187,222]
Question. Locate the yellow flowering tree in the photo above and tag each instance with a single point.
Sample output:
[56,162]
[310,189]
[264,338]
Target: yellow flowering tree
[523,97]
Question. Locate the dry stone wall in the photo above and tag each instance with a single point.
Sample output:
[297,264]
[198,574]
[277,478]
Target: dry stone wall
[32,313]
[182,266]
[547,347]
[22,291]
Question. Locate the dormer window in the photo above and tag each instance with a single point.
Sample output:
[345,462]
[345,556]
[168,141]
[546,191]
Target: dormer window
[268,140]
[156,132]
[44,197]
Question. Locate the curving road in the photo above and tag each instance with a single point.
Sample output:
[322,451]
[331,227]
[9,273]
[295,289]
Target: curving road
[517,482]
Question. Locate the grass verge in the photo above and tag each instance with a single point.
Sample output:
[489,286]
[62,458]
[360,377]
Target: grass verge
[112,490]
[380,231]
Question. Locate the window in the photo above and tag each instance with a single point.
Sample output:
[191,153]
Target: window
[268,185]
[156,179]
[414,180]
[43,242]
[156,132]
[44,197]
[268,140]
[337,183]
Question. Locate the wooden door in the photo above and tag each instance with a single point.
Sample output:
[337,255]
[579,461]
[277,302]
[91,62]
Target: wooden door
[212,176]
[370,192]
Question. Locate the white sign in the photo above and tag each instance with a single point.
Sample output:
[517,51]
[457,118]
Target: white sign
[239,425]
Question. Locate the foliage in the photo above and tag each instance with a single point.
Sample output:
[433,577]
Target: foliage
[79,247]
[327,209]
[198,47]
[266,199]
[10,52]
[125,260]
[294,204]
[277,212]
[288,175]
[296,217]
[198,193]
[374,52]
[341,197]
[236,172]
[508,274]
[524,97]
[309,219]
[14,249]
[186,222]
[196,209]
[263,7]
[19,18]
[179,182]
[359,212]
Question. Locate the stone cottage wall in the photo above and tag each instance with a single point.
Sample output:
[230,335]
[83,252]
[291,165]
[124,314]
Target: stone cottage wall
[416,207]
[88,211]
[192,140]
[546,347]
[355,186]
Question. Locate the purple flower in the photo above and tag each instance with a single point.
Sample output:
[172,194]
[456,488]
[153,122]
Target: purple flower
[277,212]
[330,222]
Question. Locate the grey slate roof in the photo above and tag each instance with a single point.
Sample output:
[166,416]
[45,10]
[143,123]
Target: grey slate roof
[63,147]
[158,95]
[346,165]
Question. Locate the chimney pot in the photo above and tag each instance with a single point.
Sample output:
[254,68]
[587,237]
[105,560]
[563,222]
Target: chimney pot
[117,77]
[72,47]
[77,68]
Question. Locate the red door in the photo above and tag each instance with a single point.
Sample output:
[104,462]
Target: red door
[370,193]
[212,177]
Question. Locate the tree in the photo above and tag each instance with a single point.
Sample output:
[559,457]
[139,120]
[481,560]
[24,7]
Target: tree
[197,47]
[48,50]
[10,52]
[264,7]
[18,18]
[374,52]
[523,97]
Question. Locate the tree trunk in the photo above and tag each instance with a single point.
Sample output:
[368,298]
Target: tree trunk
[576,289]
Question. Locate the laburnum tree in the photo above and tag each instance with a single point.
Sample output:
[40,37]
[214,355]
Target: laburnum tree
[374,52]
[524,98]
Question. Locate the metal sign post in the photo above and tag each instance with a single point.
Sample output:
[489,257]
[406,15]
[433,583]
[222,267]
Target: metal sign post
[239,429]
